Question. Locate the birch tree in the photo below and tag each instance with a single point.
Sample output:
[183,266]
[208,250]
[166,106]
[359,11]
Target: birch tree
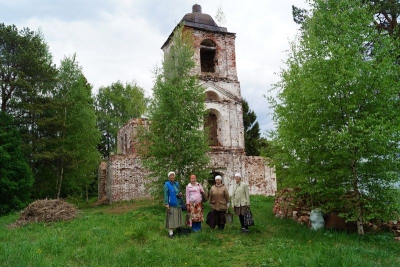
[176,140]
[337,113]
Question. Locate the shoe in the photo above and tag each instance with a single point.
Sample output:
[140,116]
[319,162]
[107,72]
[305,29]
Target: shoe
[171,236]
[244,231]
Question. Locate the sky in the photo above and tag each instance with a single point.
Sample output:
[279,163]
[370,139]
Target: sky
[120,40]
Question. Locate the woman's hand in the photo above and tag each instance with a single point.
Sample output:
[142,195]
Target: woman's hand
[167,206]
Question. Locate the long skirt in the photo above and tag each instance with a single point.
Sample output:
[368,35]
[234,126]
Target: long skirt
[174,218]
[196,212]
[219,217]
[239,210]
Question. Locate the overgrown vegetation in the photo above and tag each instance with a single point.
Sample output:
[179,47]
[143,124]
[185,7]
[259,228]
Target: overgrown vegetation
[133,234]
[176,140]
[53,111]
[337,113]
[115,106]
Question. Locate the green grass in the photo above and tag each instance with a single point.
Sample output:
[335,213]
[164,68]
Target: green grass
[133,234]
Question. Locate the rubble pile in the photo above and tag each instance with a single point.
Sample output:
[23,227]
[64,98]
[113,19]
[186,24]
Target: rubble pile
[287,206]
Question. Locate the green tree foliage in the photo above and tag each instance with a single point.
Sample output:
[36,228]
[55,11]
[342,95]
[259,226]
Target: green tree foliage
[79,136]
[16,178]
[115,106]
[267,149]
[338,115]
[176,140]
[53,111]
[68,158]
[27,74]
[27,77]
[299,14]
[25,68]
[386,15]
[251,130]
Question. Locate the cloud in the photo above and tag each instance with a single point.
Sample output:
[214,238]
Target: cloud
[121,39]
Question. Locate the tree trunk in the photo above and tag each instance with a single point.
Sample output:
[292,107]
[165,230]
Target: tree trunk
[360,227]
[62,156]
[60,181]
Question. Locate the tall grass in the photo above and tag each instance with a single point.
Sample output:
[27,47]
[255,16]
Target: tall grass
[133,234]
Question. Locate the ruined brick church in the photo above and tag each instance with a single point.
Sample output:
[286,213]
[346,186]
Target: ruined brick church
[122,177]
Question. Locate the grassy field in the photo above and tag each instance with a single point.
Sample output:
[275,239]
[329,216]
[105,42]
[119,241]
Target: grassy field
[133,234]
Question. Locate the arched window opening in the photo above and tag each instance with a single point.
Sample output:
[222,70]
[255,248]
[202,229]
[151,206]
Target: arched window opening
[211,96]
[208,51]
[211,124]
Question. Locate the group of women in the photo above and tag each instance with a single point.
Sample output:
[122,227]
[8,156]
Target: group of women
[218,197]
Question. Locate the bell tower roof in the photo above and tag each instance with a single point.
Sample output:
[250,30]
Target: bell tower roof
[200,20]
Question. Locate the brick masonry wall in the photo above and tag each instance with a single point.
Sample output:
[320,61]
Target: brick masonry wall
[126,175]
[126,137]
[125,178]
[225,67]
[254,171]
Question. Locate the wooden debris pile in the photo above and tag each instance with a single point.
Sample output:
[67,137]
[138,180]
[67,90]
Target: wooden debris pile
[46,210]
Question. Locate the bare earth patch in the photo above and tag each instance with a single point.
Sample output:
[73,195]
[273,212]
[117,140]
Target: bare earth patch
[46,210]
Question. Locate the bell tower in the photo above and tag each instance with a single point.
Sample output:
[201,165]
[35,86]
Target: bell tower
[123,177]
[216,67]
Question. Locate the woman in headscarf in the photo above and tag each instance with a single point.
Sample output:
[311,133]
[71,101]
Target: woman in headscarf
[219,201]
[240,200]
[194,203]
[171,201]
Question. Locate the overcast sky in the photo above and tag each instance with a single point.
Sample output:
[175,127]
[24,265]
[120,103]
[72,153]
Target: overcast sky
[121,39]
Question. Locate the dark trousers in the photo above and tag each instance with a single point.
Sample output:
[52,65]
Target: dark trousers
[241,219]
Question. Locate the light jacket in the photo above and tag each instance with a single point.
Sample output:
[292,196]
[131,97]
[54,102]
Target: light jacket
[240,195]
[219,197]
[171,190]
[193,193]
